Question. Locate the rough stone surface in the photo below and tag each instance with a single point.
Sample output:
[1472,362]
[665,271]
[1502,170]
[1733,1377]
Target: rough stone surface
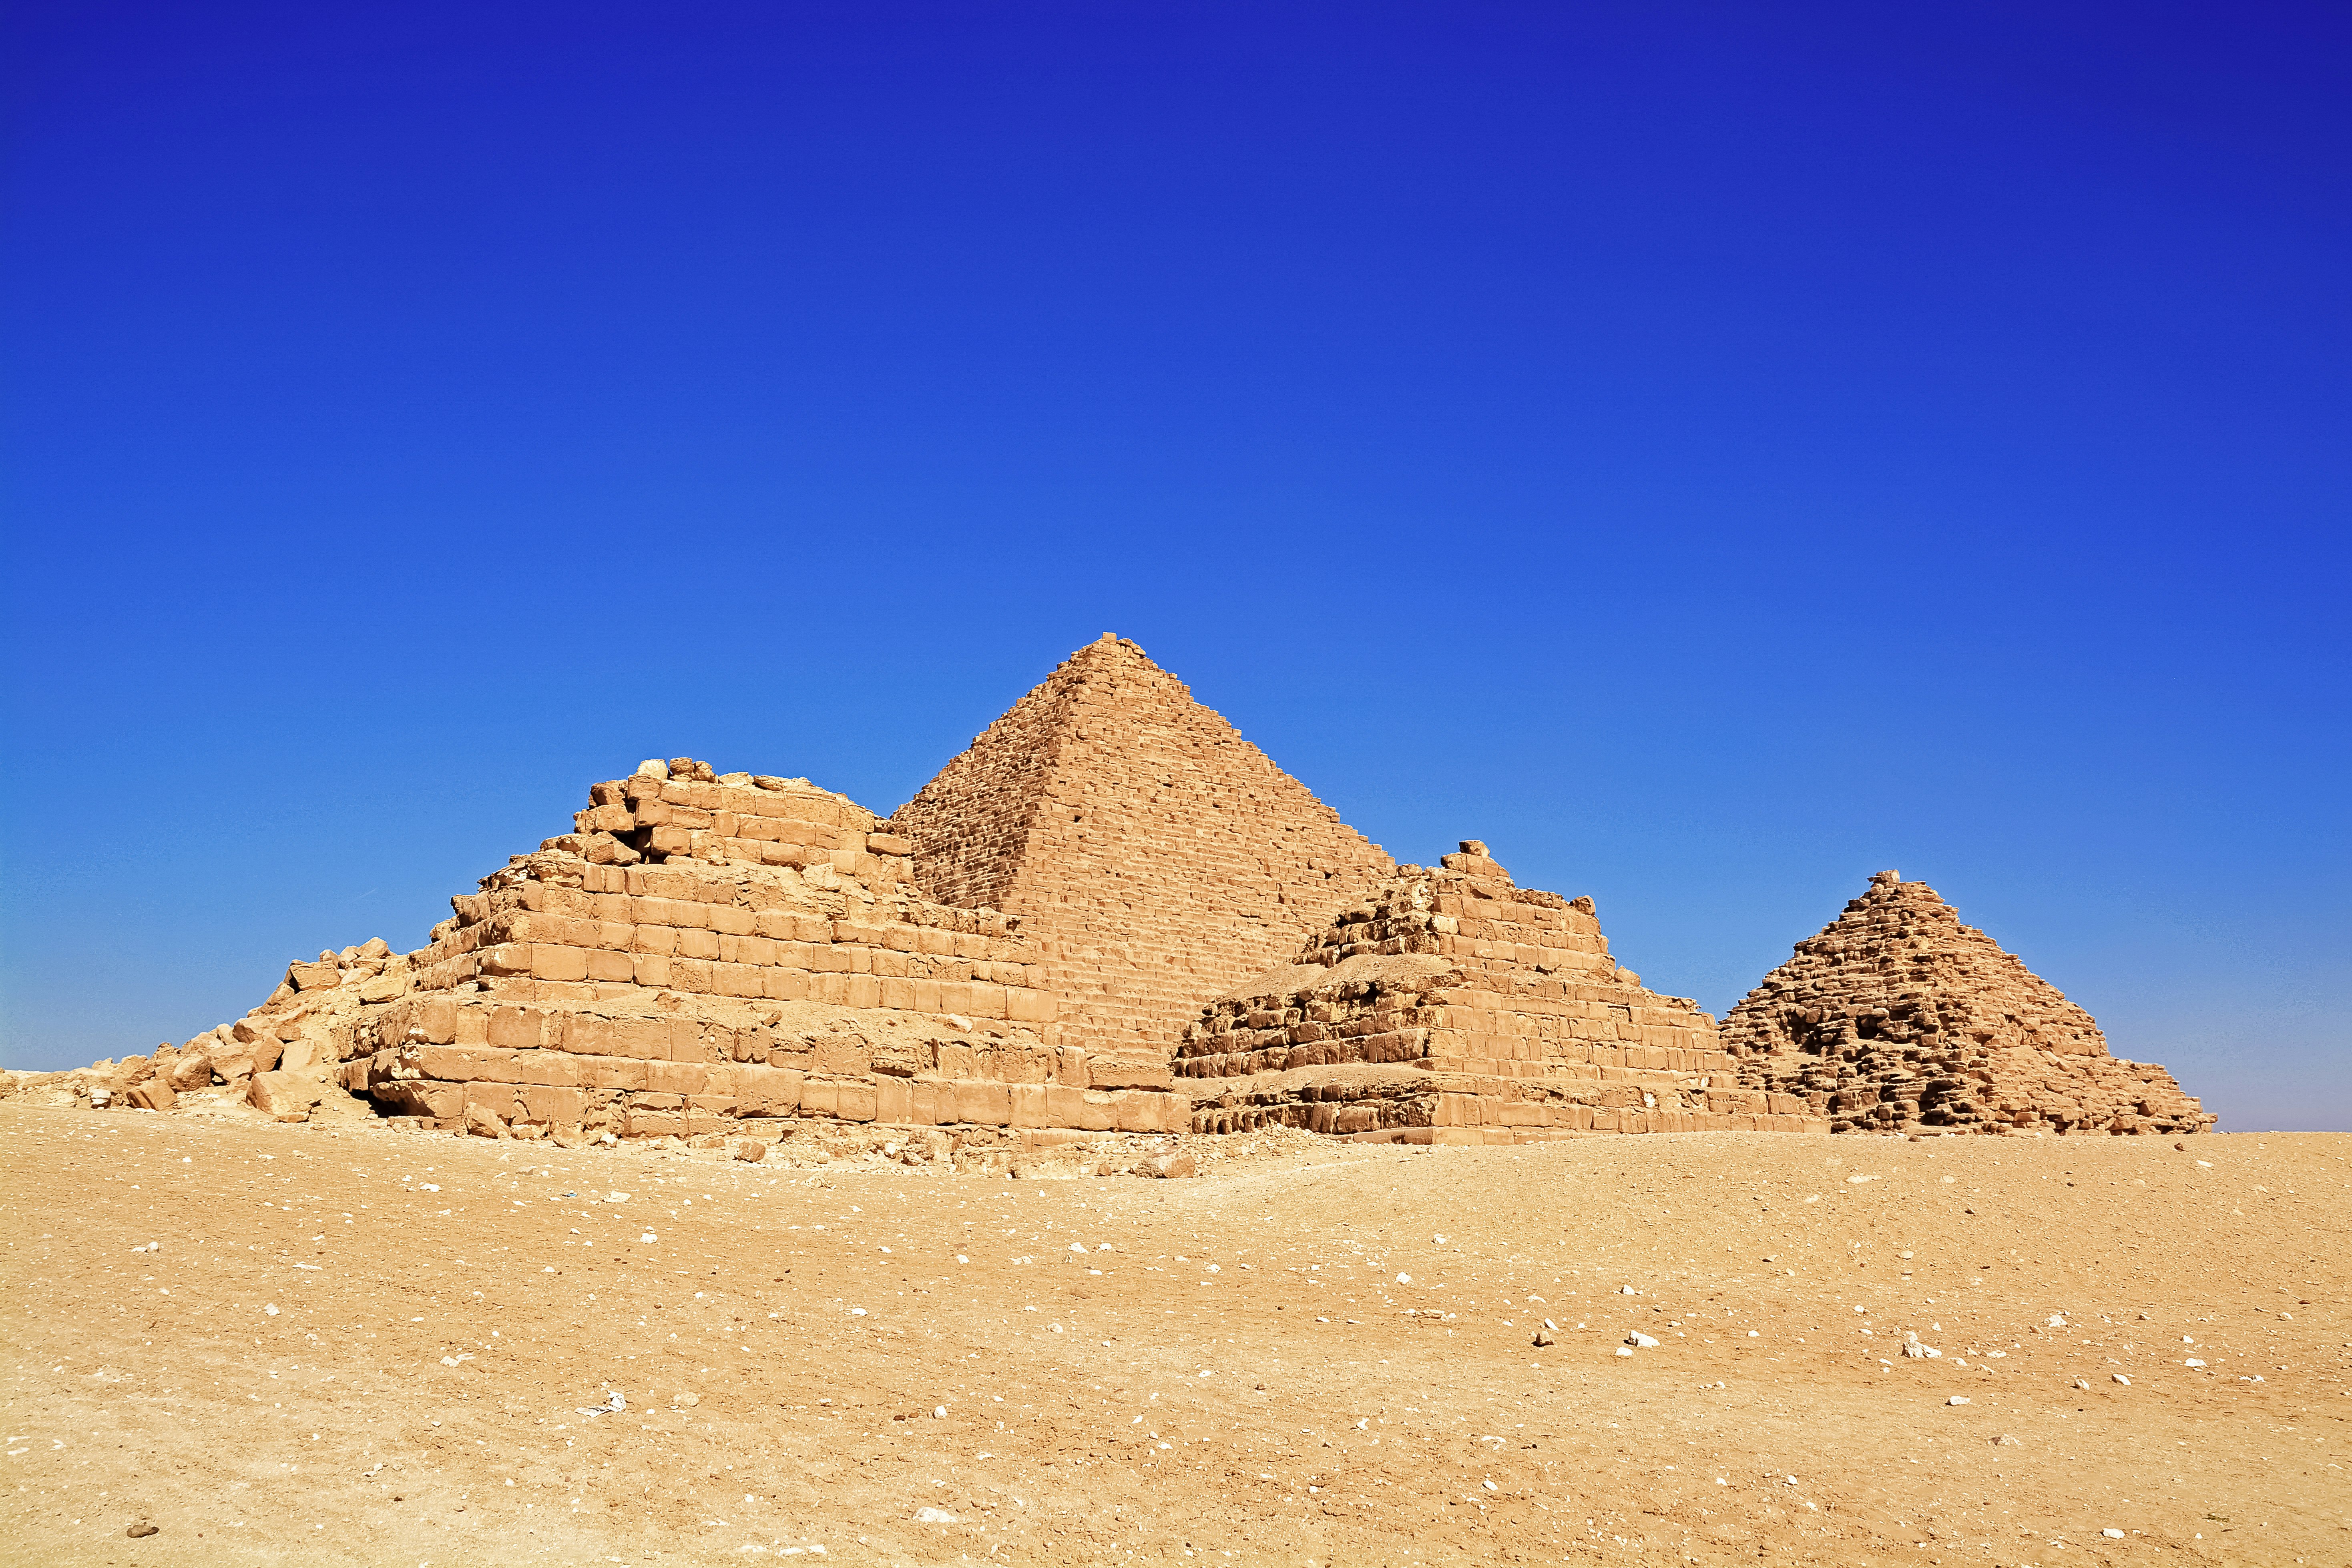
[1453,1006]
[1155,858]
[1897,1017]
[286,1095]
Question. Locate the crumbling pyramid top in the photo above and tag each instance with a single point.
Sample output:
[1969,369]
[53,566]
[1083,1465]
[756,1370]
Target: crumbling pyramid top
[1897,1015]
[1155,855]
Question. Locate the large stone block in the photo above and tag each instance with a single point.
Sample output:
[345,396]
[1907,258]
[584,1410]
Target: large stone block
[984,1104]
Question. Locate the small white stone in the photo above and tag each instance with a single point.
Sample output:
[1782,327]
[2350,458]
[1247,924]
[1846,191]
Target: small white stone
[1957,1399]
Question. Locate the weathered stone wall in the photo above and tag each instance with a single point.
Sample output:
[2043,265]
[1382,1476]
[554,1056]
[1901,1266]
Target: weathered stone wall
[1897,1017]
[699,953]
[1153,855]
[1454,1006]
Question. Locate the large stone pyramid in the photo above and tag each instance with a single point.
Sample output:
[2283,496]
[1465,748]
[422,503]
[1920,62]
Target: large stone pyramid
[1453,1006]
[1152,855]
[1897,1017]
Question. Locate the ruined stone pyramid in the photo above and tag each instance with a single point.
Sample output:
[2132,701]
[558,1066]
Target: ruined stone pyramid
[1897,1017]
[1453,1006]
[1152,855]
[702,954]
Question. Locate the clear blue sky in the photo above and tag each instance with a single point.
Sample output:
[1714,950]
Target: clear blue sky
[1711,453]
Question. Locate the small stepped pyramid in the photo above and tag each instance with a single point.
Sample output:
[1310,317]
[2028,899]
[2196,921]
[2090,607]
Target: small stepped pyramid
[1453,1006]
[1153,855]
[702,953]
[1897,1017]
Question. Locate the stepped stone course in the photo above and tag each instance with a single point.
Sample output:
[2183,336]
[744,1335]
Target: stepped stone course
[703,949]
[1153,855]
[1453,1006]
[702,954]
[1897,1017]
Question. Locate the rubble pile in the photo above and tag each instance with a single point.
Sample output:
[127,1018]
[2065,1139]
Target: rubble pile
[1896,1018]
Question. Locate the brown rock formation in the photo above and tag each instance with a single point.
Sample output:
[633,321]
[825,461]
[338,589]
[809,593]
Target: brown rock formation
[1153,855]
[1898,1017]
[1453,1006]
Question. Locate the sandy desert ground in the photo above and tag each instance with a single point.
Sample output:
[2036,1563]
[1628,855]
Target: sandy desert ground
[347,1344]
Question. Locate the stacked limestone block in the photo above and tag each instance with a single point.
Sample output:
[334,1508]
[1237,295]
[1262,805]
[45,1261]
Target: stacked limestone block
[1154,856]
[705,954]
[1453,1006]
[1897,1017]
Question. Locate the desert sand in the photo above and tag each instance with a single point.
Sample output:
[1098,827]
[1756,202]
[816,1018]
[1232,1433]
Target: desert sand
[337,1342]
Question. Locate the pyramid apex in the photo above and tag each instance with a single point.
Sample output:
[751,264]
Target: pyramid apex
[1112,643]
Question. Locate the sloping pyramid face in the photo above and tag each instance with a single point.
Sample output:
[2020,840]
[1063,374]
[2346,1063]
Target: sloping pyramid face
[1897,1017]
[1152,855]
[1453,1006]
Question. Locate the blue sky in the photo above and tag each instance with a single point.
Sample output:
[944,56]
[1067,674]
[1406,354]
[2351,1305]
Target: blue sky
[1711,453]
